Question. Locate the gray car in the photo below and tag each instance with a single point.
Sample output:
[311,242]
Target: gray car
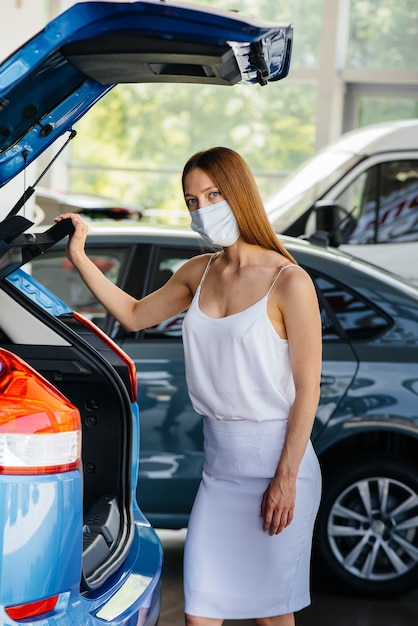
[366,427]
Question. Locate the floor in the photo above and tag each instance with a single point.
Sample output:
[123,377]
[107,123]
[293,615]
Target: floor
[327,609]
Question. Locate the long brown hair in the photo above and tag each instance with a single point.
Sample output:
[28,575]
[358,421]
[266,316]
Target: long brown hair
[235,180]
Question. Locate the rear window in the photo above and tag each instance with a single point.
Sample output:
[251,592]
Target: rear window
[58,274]
[358,318]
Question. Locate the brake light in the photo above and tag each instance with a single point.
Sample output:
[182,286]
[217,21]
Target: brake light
[40,430]
[133,393]
[32,609]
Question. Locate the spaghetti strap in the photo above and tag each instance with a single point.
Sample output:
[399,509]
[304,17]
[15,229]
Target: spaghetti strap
[212,257]
[281,268]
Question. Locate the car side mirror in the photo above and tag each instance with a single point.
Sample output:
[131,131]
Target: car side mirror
[335,220]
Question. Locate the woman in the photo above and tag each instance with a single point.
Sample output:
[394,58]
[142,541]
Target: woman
[252,341]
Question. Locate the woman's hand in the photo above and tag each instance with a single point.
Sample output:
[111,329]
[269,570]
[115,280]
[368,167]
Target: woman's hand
[278,505]
[77,240]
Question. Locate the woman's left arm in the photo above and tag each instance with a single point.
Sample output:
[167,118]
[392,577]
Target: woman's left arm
[298,304]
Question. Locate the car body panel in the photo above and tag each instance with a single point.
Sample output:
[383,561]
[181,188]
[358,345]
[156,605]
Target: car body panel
[136,588]
[370,404]
[41,531]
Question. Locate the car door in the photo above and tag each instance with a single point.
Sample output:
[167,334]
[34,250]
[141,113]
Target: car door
[348,383]
[380,219]
[339,362]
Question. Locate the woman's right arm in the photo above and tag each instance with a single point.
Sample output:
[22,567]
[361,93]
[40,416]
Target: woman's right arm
[171,299]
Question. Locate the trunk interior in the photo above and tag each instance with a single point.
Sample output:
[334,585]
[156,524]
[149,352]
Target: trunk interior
[94,378]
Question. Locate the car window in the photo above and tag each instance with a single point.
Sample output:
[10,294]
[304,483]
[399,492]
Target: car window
[384,204]
[169,260]
[57,273]
[358,318]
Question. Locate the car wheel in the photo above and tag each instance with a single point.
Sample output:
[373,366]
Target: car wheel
[367,527]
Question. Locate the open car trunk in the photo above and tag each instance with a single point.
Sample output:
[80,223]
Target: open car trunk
[96,379]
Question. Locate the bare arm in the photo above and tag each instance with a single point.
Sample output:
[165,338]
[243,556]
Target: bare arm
[299,307]
[171,299]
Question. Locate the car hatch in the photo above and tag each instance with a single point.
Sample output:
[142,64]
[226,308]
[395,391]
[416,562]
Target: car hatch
[53,79]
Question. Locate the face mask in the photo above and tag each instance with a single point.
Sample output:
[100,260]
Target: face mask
[216,224]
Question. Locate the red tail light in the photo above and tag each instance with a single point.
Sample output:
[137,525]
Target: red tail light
[33,609]
[40,430]
[133,393]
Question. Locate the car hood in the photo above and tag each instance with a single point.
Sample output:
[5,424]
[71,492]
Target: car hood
[52,81]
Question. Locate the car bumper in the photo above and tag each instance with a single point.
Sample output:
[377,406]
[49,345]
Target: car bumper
[131,596]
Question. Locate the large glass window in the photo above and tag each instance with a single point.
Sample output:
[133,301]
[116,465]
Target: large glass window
[376,109]
[383,35]
[133,144]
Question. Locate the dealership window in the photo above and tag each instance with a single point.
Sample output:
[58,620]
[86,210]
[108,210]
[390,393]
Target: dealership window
[383,35]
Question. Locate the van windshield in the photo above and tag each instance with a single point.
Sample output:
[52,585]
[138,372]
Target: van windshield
[306,185]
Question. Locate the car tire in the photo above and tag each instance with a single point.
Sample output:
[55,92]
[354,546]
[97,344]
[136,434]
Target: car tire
[367,528]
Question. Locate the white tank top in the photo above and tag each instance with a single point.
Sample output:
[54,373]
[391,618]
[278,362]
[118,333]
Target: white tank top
[237,367]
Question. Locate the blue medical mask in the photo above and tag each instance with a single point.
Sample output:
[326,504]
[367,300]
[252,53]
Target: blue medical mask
[216,224]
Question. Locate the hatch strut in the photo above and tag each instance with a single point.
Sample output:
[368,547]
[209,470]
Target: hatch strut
[18,247]
[31,189]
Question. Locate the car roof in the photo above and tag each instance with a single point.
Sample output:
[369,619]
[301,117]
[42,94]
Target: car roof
[53,80]
[126,233]
[315,256]
[396,135]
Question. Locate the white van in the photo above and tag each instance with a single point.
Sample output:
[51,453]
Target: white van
[359,194]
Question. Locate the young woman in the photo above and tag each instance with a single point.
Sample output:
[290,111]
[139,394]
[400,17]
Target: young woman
[252,342]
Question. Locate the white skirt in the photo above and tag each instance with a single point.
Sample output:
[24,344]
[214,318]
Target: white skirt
[232,568]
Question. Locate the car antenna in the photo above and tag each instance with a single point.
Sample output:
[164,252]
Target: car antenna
[29,191]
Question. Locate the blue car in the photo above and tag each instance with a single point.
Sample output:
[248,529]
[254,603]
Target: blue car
[75,547]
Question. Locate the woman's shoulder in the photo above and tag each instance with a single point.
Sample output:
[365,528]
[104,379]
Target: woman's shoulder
[193,269]
[196,263]
[292,277]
